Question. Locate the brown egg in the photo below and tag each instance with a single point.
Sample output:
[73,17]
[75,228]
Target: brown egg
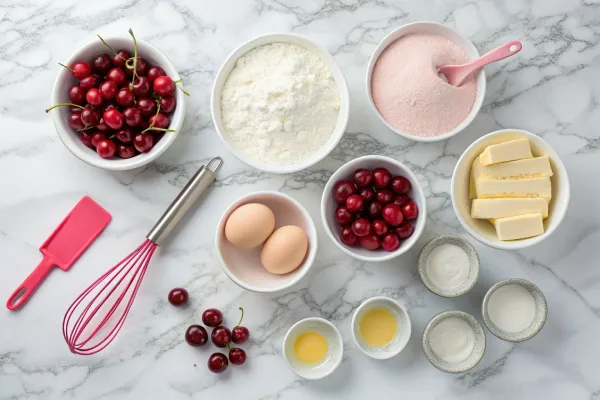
[250,225]
[285,250]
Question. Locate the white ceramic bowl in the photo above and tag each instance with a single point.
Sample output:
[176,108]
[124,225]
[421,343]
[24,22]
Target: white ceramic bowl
[335,348]
[336,72]
[402,333]
[329,204]
[65,80]
[484,231]
[244,266]
[448,33]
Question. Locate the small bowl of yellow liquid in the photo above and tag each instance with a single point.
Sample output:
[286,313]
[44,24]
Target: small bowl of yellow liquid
[381,327]
[313,348]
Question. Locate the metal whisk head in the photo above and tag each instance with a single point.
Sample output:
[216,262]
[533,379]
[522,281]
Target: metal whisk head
[88,326]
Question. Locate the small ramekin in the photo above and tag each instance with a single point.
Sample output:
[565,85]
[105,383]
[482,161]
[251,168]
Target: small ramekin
[448,33]
[335,348]
[336,72]
[541,312]
[65,80]
[473,265]
[469,362]
[402,335]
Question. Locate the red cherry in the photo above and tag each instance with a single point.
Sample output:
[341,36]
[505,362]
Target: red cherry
[81,69]
[217,363]
[108,89]
[97,138]
[160,120]
[106,148]
[120,57]
[342,190]
[367,193]
[164,86]
[410,210]
[240,334]
[385,196]
[86,139]
[405,230]
[77,95]
[237,356]
[167,104]
[374,210]
[155,72]
[101,63]
[212,317]
[90,117]
[94,97]
[147,106]
[142,86]
[390,242]
[178,297]
[401,199]
[355,202]
[343,216]
[90,81]
[392,214]
[361,227]
[400,185]
[125,97]
[348,237]
[370,242]
[381,178]
[143,142]
[221,336]
[132,116]
[196,335]
[363,177]
[125,151]
[379,227]
[113,118]
[125,135]
[117,75]
[102,126]
[75,121]
[141,67]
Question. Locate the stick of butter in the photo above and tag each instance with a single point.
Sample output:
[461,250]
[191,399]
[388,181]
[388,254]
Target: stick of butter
[508,207]
[519,227]
[527,187]
[537,167]
[507,151]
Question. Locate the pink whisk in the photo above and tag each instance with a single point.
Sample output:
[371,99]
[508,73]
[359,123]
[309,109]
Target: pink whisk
[94,319]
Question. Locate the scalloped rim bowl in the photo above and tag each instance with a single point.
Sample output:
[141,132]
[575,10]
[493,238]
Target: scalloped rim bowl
[65,80]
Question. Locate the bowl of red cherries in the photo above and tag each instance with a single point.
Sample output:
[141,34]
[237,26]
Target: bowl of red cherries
[118,103]
[373,208]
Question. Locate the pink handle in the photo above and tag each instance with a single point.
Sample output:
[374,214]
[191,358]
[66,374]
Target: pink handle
[26,289]
[499,53]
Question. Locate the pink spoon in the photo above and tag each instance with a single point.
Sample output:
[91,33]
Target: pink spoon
[456,74]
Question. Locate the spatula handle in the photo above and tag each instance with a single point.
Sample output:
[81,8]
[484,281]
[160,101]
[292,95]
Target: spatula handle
[26,289]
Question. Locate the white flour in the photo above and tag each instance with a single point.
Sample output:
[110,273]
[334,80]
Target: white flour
[511,308]
[279,104]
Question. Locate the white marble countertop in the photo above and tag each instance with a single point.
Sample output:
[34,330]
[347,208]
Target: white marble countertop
[551,88]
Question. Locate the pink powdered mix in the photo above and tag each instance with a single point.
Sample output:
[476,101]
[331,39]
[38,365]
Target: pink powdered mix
[408,92]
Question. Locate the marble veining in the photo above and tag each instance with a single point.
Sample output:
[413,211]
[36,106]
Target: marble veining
[551,88]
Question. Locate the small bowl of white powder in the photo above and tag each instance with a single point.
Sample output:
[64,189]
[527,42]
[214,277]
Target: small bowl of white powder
[448,266]
[514,310]
[453,341]
[280,103]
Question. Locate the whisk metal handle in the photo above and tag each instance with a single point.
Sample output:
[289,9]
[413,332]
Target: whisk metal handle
[194,189]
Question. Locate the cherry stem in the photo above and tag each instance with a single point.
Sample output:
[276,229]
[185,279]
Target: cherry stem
[86,128]
[134,58]
[241,317]
[63,65]
[179,87]
[64,104]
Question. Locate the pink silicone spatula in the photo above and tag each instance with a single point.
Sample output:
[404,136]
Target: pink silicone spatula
[74,234]
[456,74]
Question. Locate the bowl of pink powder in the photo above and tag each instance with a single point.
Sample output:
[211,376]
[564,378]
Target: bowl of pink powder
[408,94]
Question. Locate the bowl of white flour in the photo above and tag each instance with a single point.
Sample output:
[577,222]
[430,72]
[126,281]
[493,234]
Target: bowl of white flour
[280,103]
